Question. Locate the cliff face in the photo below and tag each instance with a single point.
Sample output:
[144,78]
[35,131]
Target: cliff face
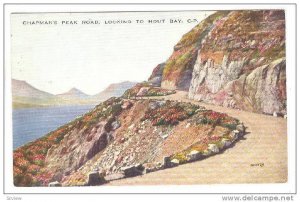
[177,71]
[234,59]
[156,75]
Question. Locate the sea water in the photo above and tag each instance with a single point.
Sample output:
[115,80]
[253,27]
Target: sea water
[32,123]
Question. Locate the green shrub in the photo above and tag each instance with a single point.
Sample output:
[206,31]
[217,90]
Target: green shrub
[181,157]
[229,126]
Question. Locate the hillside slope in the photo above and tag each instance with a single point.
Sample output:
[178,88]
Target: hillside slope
[124,138]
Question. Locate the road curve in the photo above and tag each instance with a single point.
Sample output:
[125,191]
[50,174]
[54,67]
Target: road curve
[261,157]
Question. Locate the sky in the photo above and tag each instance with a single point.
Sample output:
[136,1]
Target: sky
[57,57]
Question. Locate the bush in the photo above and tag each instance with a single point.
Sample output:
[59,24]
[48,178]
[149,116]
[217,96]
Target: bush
[181,157]
[169,114]
[229,126]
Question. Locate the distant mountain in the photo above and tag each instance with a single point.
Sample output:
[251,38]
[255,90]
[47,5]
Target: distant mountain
[114,90]
[24,95]
[23,89]
[73,93]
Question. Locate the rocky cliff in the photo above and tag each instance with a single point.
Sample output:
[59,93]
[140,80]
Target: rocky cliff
[234,59]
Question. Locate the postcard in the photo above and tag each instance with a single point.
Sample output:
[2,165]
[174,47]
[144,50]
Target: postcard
[112,99]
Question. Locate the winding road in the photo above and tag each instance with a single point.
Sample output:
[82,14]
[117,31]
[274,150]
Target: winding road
[261,157]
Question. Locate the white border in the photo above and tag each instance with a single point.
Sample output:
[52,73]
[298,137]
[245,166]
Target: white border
[288,187]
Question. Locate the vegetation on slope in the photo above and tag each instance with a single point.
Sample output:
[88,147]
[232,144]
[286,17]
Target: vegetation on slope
[29,160]
[135,140]
[185,51]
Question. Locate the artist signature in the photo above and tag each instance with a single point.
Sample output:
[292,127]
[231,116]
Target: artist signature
[257,164]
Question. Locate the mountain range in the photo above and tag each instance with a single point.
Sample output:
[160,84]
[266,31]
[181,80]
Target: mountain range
[25,95]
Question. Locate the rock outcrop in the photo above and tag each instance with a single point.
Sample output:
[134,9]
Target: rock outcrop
[262,90]
[54,184]
[78,147]
[95,178]
[156,75]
